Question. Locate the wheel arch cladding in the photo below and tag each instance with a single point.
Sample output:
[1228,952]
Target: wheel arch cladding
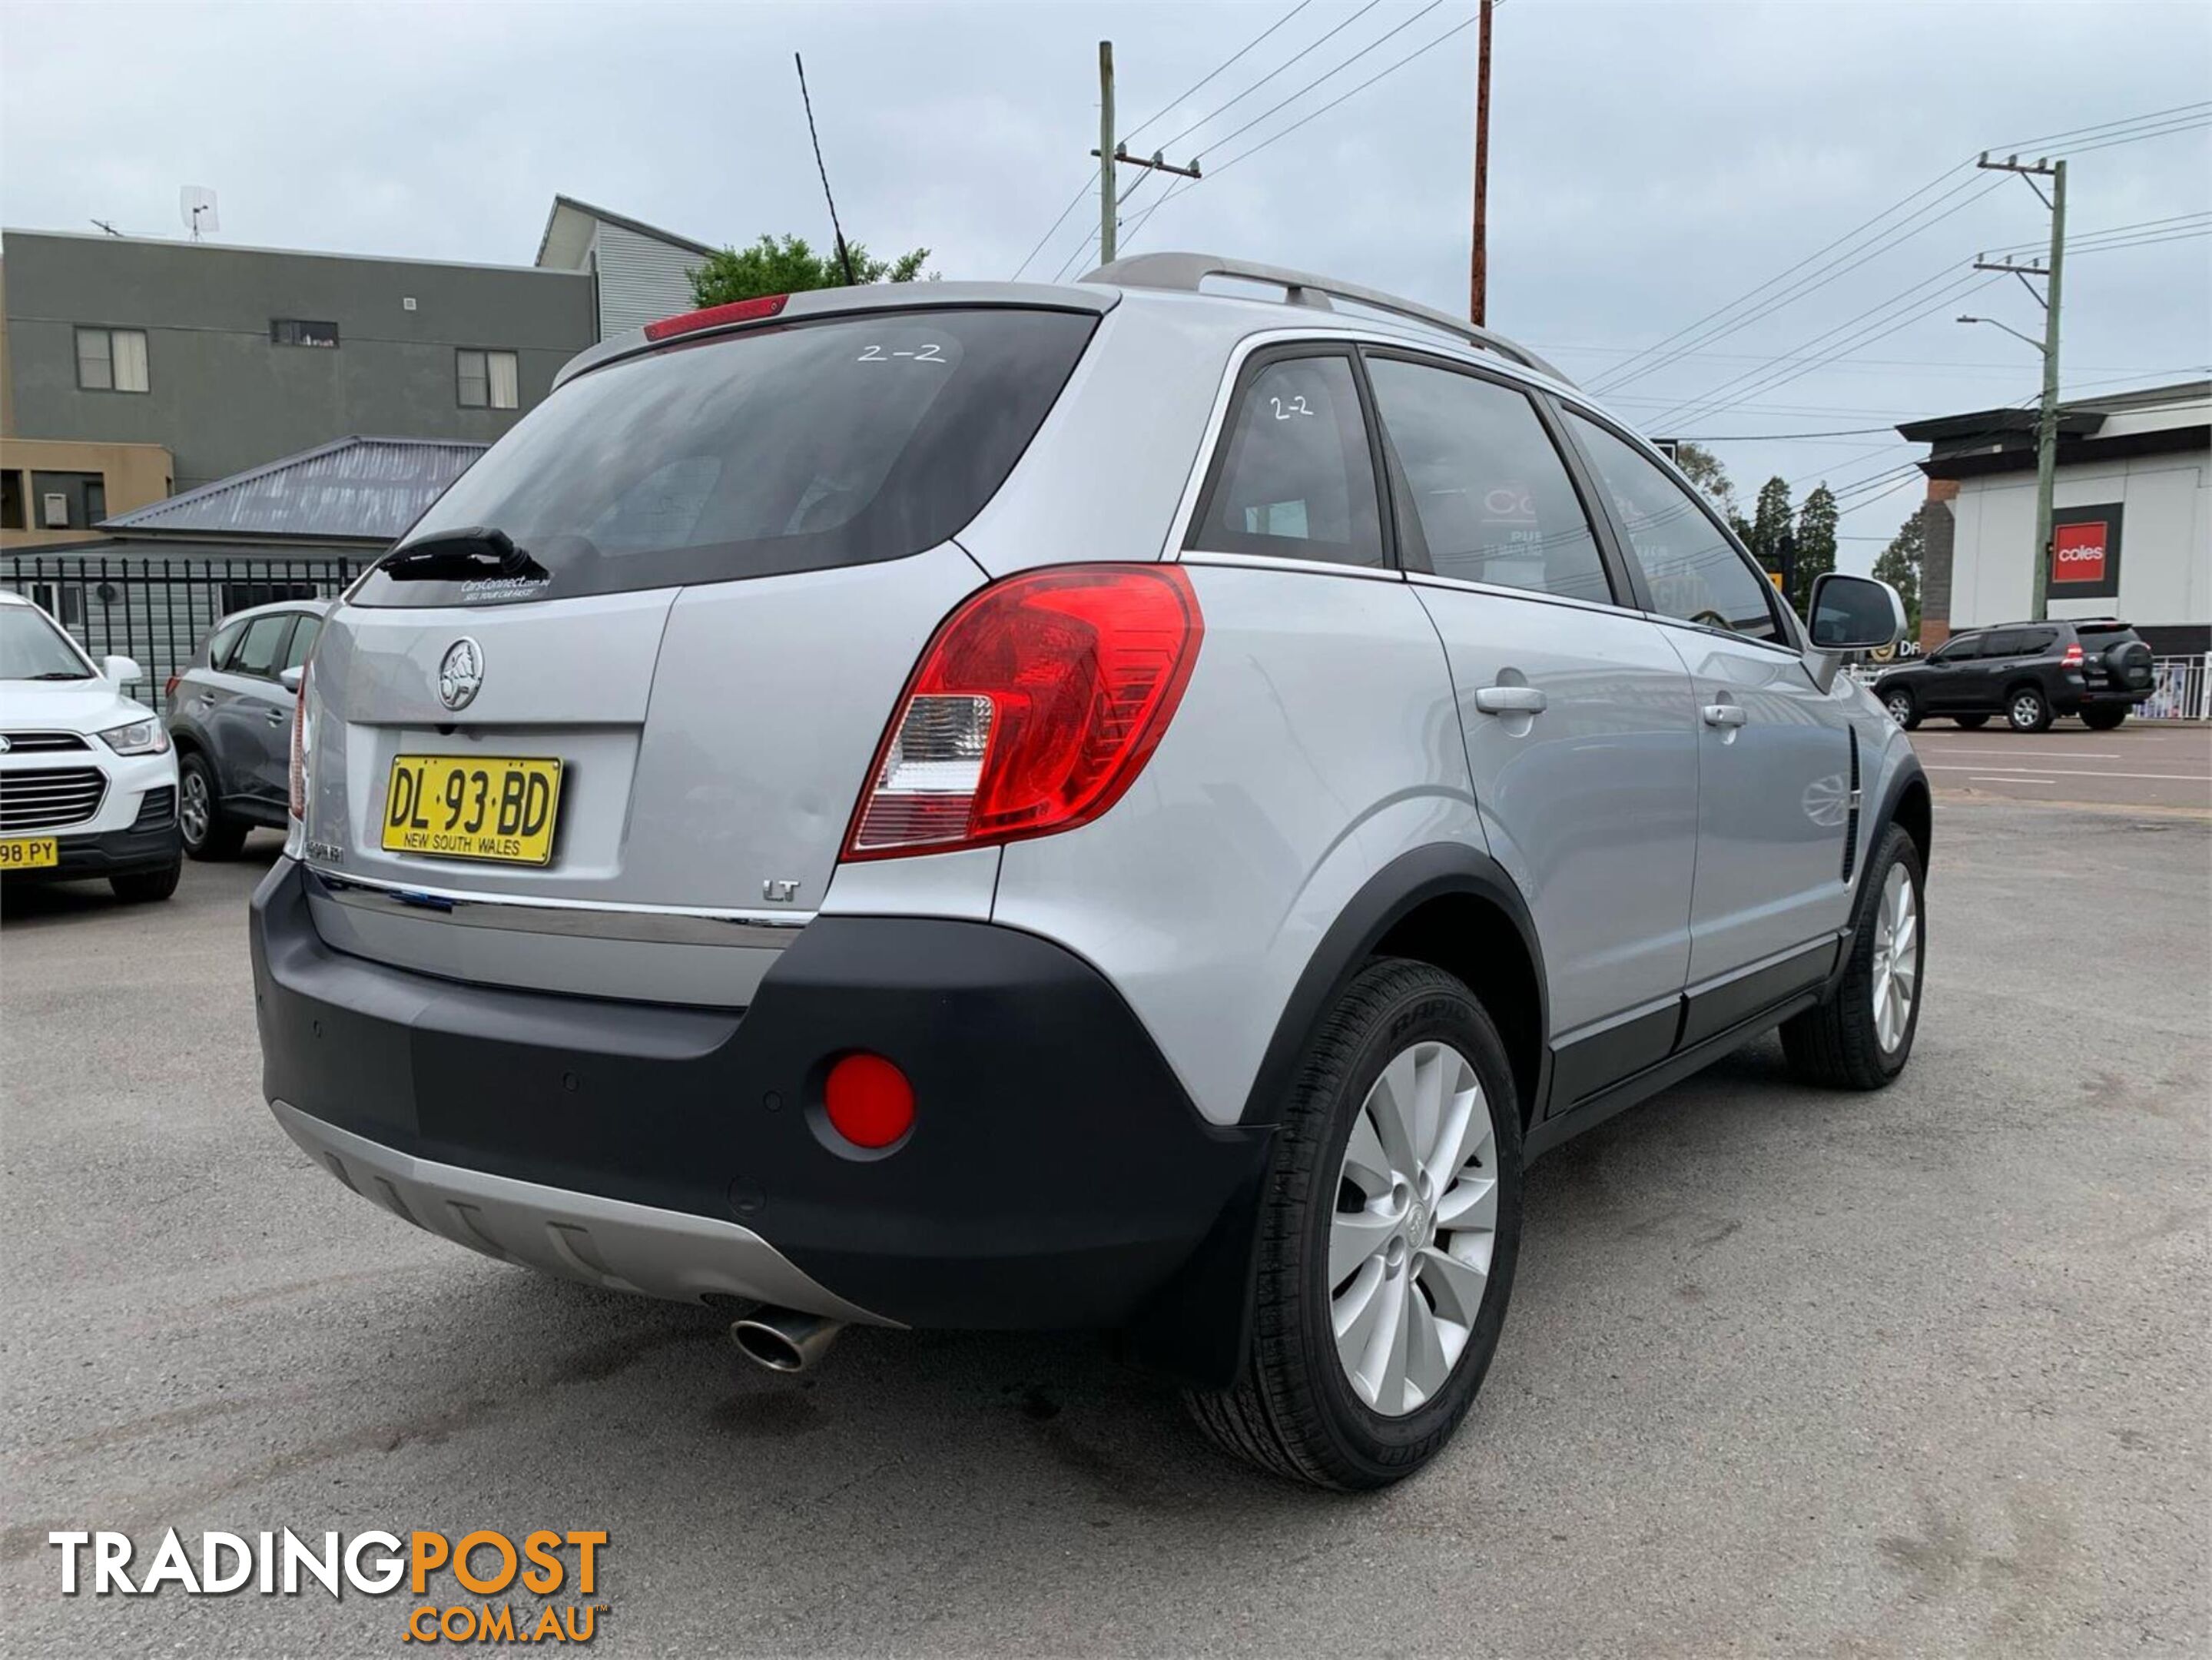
[1445,905]
[1912,809]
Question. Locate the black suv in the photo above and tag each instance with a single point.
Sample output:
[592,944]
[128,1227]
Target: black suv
[2031,673]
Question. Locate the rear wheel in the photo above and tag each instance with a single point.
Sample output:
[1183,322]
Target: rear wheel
[1972,722]
[1861,1037]
[2027,709]
[1386,1239]
[1903,707]
[207,831]
[2103,720]
[142,886]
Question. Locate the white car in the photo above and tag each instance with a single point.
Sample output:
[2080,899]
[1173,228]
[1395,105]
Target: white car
[88,778]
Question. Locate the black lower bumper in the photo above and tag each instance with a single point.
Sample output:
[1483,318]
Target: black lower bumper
[1056,1176]
[114,852]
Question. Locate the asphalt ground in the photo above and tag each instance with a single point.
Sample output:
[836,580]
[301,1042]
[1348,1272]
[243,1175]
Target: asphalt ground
[2142,763]
[1786,1371]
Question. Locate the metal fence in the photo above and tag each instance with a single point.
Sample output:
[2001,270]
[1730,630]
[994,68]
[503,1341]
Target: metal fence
[156,610]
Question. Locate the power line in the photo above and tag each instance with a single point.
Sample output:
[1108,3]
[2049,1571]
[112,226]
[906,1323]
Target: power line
[1255,149]
[1272,73]
[1318,79]
[2100,126]
[1090,182]
[1763,437]
[1176,102]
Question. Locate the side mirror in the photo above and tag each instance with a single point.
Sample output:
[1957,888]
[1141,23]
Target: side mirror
[1855,613]
[290,678]
[121,671]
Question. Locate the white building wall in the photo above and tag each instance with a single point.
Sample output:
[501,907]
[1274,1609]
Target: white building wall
[639,279]
[2165,541]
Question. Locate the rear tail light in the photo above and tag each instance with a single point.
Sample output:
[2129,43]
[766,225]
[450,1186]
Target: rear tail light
[300,751]
[2073,658]
[1035,706]
[169,687]
[714,317]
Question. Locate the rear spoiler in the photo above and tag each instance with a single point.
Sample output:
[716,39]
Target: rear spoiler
[857,301]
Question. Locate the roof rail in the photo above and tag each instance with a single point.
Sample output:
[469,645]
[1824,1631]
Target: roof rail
[1186,271]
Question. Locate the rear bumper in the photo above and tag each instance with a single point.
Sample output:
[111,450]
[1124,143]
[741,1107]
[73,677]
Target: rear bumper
[113,853]
[1056,1176]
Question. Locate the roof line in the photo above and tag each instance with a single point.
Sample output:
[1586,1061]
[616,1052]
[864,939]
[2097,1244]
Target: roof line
[288,253]
[620,219]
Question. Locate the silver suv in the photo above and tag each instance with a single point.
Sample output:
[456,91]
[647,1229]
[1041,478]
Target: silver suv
[1112,806]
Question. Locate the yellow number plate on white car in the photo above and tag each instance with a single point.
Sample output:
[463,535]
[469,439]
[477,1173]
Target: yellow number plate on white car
[30,853]
[472,806]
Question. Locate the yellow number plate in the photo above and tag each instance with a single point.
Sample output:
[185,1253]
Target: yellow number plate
[30,853]
[472,806]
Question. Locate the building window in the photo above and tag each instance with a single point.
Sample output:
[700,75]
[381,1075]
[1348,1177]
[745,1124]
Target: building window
[243,596]
[487,380]
[69,501]
[111,360]
[11,501]
[298,332]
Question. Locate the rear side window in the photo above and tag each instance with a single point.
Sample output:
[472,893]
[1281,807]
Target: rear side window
[1297,475]
[1693,571]
[1492,501]
[788,448]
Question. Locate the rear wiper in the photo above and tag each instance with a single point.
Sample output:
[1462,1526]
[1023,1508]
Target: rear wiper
[454,555]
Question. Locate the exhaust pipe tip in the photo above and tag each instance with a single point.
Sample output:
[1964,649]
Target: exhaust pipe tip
[784,1340]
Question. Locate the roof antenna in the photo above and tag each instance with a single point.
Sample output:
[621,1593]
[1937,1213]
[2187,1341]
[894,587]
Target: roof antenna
[109,229]
[844,254]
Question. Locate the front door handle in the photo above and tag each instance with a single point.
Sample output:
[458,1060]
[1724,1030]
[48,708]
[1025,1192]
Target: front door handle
[278,717]
[1510,700]
[1723,714]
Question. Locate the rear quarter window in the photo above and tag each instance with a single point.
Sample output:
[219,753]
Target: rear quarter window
[798,447]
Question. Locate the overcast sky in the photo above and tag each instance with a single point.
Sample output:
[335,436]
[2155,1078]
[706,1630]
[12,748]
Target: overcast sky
[1651,162]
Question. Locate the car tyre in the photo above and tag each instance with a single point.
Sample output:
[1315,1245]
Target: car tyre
[1861,1037]
[1302,1408]
[209,832]
[140,887]
[2027,709]
[1972,722]
[2103,720]
[1904,708]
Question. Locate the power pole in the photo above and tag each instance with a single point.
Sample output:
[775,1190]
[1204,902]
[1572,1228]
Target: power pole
[1106,152]
[1478,274]
[2046,426]
[1109,153]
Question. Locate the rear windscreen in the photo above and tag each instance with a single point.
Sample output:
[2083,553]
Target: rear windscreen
[788,448]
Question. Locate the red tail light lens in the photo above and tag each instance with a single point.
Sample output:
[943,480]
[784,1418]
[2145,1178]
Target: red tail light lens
[737,311]
[2073,658]
[1035,705]
[169,688]
[299,751]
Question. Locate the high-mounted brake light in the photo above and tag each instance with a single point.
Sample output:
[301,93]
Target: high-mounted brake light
[737,311]
[1035,706]
[300,750]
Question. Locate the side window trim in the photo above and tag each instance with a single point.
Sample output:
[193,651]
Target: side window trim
[1416,562]
[1791,643]
[1255,363]
[291,620]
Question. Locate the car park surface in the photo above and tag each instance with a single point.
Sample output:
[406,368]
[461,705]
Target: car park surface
[2142,763]
[1788,1370]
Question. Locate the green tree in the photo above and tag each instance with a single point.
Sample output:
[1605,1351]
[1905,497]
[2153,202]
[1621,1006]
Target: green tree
[1769,522]
[1816,545]
[1900,567]
[792,266]
[1702,468]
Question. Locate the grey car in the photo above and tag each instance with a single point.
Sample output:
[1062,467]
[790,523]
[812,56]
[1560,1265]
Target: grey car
[230,716]
[1112,806]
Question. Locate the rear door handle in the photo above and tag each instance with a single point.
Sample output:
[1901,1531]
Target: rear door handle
[1510,700]
[1723,714]
[278,717]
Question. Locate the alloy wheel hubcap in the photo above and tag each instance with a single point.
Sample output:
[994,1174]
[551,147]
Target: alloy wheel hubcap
[2024,712]
[193,815]
[1898,709]
[1416,1223]
[1896,958]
